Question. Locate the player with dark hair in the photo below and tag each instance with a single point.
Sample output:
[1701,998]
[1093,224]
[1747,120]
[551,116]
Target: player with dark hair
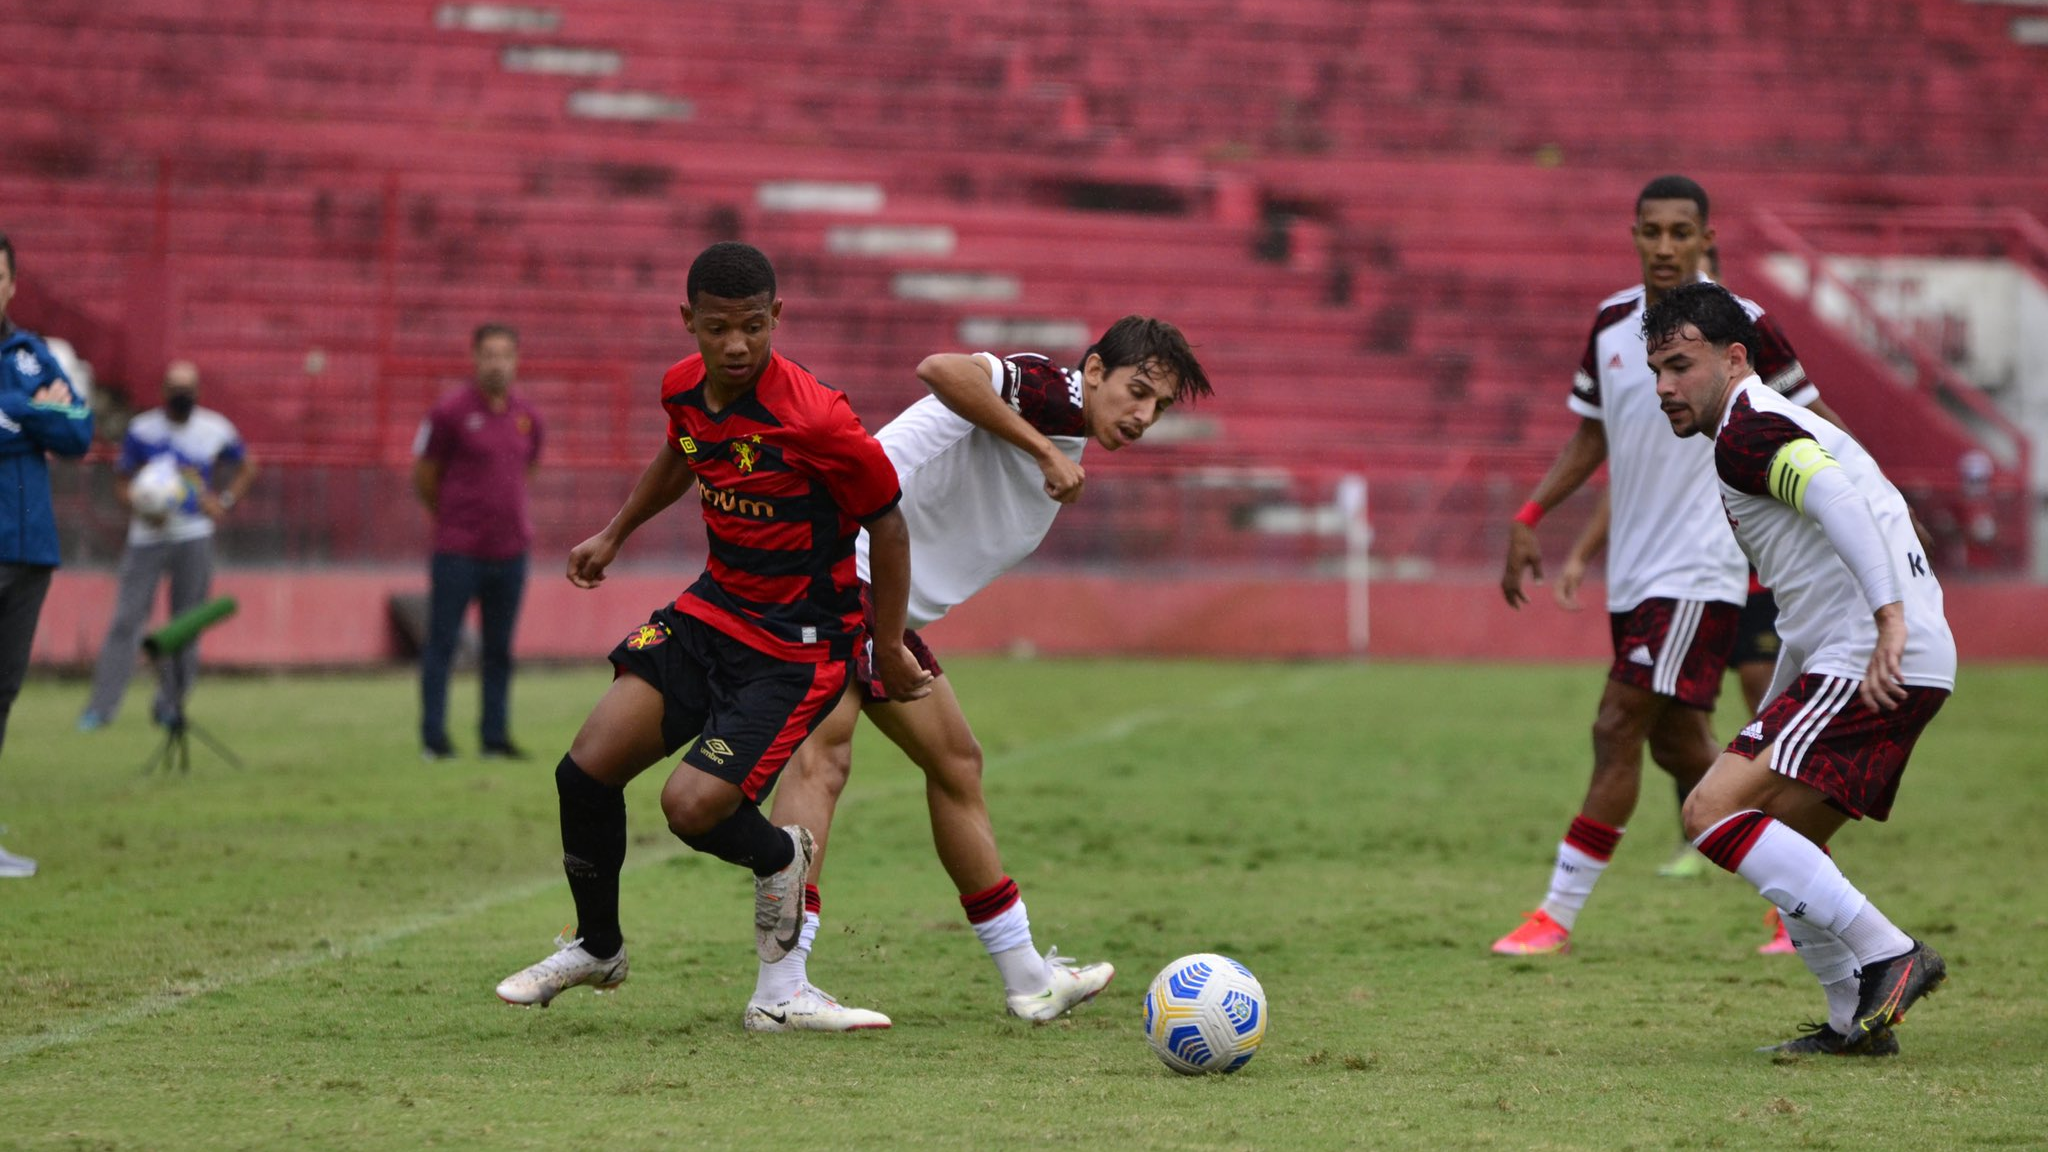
[986,461]
[1676,580]
[1868,662]
[751,656]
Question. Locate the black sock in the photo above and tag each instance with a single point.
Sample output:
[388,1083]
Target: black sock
[593,851]
[747,839]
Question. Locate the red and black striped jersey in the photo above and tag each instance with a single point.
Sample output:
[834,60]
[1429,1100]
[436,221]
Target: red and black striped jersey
[786,475]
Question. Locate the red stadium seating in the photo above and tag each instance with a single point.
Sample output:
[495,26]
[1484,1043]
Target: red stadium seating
[1385,224]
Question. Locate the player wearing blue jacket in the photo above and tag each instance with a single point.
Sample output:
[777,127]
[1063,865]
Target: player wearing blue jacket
[40,413]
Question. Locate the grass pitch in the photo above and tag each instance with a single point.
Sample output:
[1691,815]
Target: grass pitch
[300,954]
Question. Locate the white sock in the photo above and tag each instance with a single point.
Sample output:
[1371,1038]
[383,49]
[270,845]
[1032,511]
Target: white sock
[1833,964]
[783,979]
[1571,881]
[1793,873]
[1007,937]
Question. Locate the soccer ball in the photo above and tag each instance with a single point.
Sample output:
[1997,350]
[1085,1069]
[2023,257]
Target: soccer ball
[158,488]
[1205,1013]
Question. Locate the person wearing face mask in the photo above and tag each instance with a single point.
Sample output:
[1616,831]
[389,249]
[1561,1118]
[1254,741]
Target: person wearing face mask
[174,546]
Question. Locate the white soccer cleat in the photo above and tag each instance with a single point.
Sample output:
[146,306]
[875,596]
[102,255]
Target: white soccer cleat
[567,968]
[810,1010]
[779,901]
[19,867]
[1071,985]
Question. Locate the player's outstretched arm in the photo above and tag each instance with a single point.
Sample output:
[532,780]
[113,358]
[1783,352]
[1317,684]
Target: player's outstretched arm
[1580,457]
[963,384]
[889,585]
[665,480]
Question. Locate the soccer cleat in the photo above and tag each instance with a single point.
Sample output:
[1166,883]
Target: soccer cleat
[91,722]
[1683,865]
[1823,1040]
[1780,943]
[503,751]
[1072,985]
[1889,987]
[810,1010]
[1539,935]
[779,901]
[16,867]
[568,967]
[435,752]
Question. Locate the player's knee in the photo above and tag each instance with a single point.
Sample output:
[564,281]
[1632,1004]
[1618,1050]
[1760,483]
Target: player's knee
[957,770]
[692,814]
[1701,811]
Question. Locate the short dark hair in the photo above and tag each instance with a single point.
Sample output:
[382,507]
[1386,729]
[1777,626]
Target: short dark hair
[1142,340]
[730,270]
[7,246]
[1673,188]
[486,331]
[1719,316]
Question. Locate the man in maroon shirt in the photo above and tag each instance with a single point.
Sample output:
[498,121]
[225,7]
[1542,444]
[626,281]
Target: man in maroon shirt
[475,451]
[751,657]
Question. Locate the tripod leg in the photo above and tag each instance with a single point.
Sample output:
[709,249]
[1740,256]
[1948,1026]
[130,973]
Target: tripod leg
[207,739]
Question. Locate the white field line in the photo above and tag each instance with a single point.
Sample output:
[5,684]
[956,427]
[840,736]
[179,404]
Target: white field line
[183,992]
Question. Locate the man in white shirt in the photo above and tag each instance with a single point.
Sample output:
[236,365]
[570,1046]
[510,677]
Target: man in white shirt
[174,546]
[985,463]
[1676,580]
[1868,660]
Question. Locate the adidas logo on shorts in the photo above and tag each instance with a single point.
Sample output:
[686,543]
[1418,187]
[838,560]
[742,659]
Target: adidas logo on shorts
[1640,654]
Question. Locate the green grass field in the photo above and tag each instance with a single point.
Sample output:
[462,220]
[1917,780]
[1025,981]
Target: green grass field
[300,954]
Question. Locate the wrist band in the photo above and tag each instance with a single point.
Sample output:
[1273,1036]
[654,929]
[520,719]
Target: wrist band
[1530,514]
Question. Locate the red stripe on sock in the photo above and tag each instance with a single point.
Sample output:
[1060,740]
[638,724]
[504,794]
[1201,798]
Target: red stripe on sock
[991,901]
[1728,843]
[813,903]
[1592,837]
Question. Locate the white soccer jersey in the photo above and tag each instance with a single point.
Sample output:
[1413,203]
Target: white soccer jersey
[1667,536]
[975,505]
[206,439]
[1824,618]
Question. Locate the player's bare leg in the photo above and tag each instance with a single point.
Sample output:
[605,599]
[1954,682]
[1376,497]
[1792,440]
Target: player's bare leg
[1626,716]
[620,739]
[1769,829]
[1682,744]
[934,733]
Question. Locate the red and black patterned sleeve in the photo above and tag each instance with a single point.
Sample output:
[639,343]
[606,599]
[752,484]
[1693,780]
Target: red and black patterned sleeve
[1041,392]
[850,462]
[1776,362]
[1747,443]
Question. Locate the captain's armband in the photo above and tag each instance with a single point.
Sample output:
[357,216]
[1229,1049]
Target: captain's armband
[1793,467]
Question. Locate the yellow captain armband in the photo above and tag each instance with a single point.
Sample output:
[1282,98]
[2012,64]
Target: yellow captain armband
[1795,465]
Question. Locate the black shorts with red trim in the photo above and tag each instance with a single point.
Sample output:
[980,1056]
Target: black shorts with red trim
[747,710]
[1676,648]
[864,674]
[1823,735]
[1756,631]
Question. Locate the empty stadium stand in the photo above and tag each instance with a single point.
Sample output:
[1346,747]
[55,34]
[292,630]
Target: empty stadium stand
[1385,223]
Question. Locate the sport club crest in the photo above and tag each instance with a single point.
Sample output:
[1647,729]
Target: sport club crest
[647,636]
[745,454]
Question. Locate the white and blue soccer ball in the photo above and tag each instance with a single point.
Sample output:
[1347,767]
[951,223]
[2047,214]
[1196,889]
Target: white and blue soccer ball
[1205,1013]
[158,487]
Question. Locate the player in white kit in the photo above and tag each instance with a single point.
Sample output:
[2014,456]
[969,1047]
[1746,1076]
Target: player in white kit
[1867,662]
[985,462]
[1676,580]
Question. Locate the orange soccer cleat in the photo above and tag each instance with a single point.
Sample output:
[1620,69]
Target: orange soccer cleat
[1780,943]
[1539,935]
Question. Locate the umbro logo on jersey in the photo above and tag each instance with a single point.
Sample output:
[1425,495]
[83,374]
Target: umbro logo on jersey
[688,445]
[1754,730]
[1640,654]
